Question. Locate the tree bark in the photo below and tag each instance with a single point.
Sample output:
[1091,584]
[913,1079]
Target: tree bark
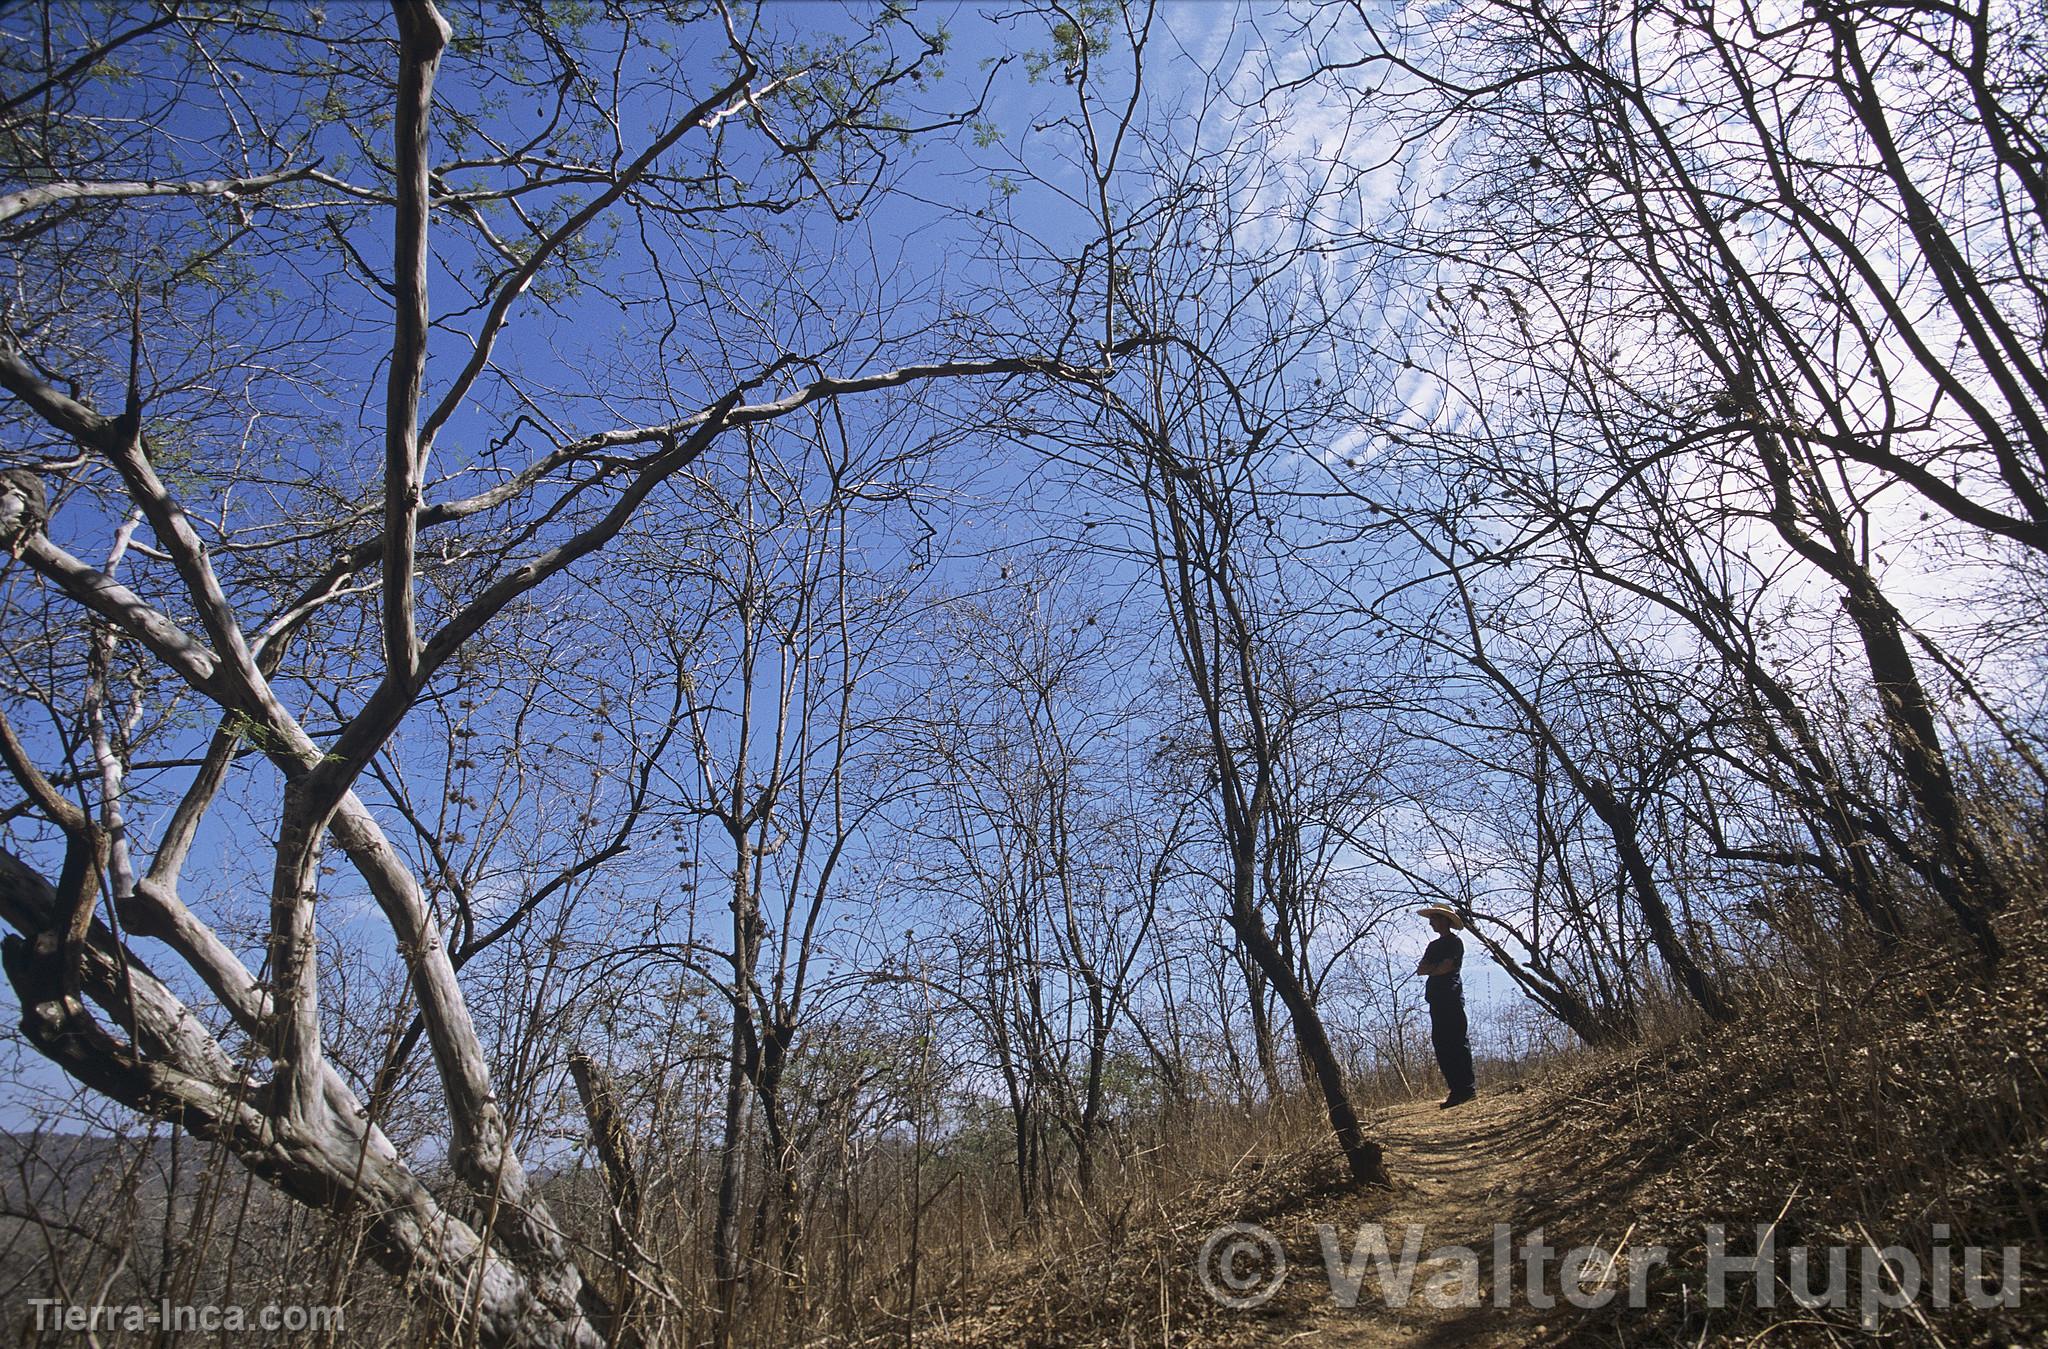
[334,1160]
[1364,1158]
[1962,876]
[613,1138]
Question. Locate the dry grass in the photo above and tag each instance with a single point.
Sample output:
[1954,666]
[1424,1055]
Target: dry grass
[1860,1098]
[1122,1270]
[1118,1270]
[1877,1101]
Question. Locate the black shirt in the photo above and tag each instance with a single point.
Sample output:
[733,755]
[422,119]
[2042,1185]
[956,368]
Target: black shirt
[1445,987]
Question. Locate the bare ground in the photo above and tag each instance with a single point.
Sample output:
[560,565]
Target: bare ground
[1891,1102]
[1459,1174]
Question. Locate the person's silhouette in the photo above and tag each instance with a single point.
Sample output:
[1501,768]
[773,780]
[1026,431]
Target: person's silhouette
[1445,993]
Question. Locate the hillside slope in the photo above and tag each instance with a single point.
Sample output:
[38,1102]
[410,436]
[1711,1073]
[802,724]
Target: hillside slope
[1888,1119]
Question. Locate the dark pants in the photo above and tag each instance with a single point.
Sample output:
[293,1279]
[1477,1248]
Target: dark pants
[1453,1049]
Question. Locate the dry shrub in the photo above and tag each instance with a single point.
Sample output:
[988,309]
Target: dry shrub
[1120,1270]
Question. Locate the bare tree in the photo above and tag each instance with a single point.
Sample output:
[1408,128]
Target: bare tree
[1708,252]
[175,277]
[1043,834]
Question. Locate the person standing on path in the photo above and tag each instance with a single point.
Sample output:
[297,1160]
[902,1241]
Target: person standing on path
[1445,993]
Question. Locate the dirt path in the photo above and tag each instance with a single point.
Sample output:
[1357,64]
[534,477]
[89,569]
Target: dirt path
[1458,1174]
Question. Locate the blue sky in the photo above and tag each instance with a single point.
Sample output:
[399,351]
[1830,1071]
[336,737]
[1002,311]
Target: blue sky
[648,325]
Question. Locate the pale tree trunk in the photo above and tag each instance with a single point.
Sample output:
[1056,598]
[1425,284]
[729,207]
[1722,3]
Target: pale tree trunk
[727,1257]
[170,1068]
[612,1134]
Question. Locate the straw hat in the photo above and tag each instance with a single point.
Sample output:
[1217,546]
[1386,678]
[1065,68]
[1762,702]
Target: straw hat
[1439,911]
